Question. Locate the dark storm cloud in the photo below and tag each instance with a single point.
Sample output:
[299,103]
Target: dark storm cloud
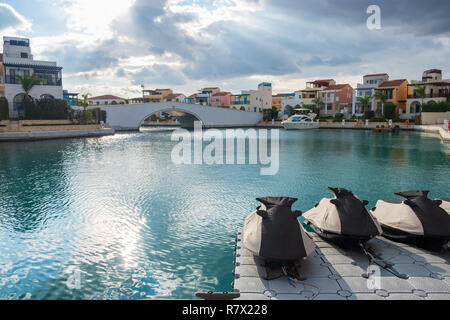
[412,16]
[150,22]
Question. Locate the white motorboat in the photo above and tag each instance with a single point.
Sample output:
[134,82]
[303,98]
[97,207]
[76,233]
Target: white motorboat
[301,122]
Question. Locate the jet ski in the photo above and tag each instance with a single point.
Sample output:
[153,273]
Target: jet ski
[343,220]
[445,204]
[417,219]
[273,233]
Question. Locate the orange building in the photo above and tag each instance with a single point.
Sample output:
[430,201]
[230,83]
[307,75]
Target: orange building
[396,92]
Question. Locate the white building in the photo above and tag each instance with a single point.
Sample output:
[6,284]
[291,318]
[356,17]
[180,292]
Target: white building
[367,88]
[106,100]
[254,100]
[18,61]
[436,90]
[175,97]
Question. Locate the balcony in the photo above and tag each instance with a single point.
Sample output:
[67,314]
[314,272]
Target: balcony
[245,102]
[46,82]
[428,96]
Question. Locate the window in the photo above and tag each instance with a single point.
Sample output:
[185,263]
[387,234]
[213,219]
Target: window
[24,55]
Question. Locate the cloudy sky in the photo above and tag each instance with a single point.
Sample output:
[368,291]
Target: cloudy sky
[115,46]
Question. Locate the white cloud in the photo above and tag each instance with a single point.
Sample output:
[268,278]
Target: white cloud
[12,21]
[94,17]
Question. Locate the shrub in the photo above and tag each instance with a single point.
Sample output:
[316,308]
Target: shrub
[389,110]
[46,109]
[378,119]
[339,116]
[369,114]
[4,110]
[442,106]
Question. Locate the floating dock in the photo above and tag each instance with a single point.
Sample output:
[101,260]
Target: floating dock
[332,273]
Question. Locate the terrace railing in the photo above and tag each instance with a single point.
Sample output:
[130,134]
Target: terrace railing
[46,82]
[434,95]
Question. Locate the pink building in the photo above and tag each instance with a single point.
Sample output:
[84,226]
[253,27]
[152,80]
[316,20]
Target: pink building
[221,99]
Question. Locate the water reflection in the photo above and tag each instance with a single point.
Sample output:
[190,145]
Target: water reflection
[136,226]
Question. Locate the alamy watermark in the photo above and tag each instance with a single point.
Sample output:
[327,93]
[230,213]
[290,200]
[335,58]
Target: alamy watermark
[227,147]
[374,20]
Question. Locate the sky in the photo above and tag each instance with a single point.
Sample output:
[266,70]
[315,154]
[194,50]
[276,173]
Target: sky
[115,46]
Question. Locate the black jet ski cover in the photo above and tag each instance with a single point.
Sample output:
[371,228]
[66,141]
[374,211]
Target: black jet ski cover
[434,219]
[344,217]
[274,233]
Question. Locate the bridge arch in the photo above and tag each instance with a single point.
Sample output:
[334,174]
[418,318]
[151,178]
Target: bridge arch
[130,117]
[172,109]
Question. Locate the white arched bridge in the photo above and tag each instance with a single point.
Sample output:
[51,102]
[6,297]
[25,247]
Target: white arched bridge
[131,117]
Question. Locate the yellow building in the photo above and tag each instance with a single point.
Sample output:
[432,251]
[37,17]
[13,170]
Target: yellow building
[157,95]
[396,92]
[277,100]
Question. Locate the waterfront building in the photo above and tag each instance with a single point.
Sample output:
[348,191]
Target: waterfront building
[312,90]
[106,100]
[72,98]
[436,90]
[367,88]
[221,99]
[204,95]
[337,98]
[278,99]
[136,100]
[396,92]
[176,97]
[157,95]
[254,100]
[191,99]
[2,77]
[16,61]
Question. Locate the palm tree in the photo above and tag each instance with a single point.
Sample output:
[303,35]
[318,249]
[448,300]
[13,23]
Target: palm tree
[380,95]
[421,92]
[365,101]
[84,102]
[28,82]
[317,102]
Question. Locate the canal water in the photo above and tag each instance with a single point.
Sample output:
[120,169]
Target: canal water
[114,218]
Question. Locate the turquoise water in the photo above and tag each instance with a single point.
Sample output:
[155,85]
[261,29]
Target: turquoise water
[129,224]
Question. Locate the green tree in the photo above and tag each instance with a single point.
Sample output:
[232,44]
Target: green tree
[4,109]
[28,82]
[421,92]
[84,101]
[380,95]
[389,110]
[317,102]
[365,101]
[291,110]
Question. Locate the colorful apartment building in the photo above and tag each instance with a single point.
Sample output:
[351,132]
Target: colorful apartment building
[157,95]
[337,98]
[396,92]
[204,95]
[277,100]
[367,88]
[16,61]
[254,100]
[313,89]
[221,99]
[436,90]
